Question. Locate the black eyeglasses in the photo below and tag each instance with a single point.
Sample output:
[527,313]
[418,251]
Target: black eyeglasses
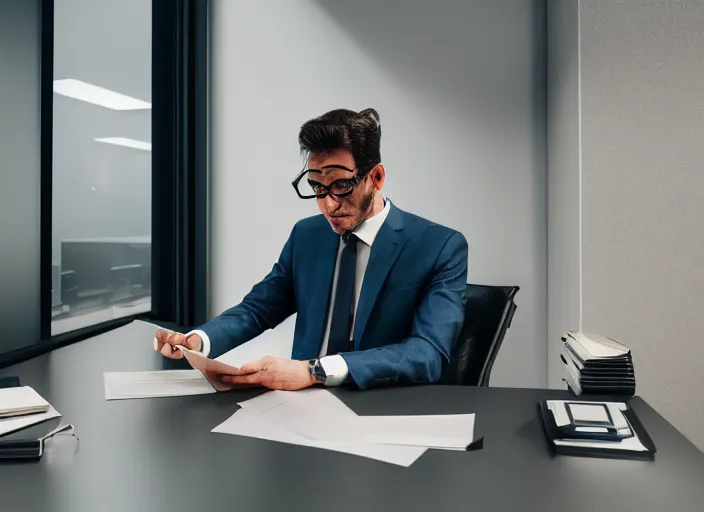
[308,188]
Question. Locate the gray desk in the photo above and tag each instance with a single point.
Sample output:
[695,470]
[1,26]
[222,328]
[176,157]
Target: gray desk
[159,454]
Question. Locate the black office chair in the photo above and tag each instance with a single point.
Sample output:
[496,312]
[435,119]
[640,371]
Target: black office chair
[488,314]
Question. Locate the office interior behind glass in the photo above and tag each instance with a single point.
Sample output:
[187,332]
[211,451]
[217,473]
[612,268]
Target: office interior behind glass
[99,280]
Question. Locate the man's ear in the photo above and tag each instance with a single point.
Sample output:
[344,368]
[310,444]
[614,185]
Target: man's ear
[378,176]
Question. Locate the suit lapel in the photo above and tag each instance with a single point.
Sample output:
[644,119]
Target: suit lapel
[322,268]
[385,249]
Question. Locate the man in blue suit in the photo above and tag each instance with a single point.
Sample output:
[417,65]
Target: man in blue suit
[378,297]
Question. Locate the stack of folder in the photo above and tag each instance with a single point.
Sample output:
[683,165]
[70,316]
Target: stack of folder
[25,418]
[597,365]
[595,429]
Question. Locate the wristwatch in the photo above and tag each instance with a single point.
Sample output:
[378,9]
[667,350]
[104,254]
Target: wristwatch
[316,370]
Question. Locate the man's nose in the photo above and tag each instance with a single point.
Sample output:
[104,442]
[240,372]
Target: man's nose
[331,203]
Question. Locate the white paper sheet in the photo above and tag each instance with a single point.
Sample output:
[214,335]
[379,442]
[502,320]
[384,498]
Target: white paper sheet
[446,432]
[274,342]
[593,347]
[125,385]
[309,412]
[318,414]
[245,424]
[210,368]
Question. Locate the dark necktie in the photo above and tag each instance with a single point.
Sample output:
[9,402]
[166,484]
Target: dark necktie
[341,322]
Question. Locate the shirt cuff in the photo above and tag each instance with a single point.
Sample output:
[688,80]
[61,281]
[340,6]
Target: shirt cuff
[335,368]
[205,347]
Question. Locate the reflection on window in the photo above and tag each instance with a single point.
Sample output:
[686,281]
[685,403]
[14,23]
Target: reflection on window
[101,220]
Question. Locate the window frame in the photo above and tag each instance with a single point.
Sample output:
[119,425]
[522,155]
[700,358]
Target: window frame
[180,168]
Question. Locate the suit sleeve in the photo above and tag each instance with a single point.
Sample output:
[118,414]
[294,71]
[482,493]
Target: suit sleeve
[269,303]
[436,324]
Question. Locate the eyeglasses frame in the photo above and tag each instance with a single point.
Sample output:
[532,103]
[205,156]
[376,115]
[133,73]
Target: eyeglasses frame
[356,178]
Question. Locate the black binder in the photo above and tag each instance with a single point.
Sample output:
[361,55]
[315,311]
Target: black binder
[9,382]
[30,450]
[552,432]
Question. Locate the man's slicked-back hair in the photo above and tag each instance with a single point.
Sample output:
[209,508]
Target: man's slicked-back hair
[357,132]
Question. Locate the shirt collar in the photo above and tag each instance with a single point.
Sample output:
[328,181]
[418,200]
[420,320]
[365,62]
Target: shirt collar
[368,230]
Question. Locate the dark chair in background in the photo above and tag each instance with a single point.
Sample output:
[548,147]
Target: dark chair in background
[488,314]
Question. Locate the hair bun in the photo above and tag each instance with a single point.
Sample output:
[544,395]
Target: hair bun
[370,112]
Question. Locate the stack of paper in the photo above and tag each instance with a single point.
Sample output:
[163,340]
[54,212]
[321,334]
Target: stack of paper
[25,415]
[315,417]
[597,365]
[21,400]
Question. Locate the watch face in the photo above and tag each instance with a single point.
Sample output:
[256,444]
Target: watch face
[317,370]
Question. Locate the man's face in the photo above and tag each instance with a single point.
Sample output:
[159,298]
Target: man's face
[343,214]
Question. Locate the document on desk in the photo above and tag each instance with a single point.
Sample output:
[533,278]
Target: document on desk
[309,412]
[242,423]
[440,432]
[126,385]
[319,415]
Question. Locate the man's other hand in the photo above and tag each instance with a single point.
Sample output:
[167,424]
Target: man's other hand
[274,373]
[167,341]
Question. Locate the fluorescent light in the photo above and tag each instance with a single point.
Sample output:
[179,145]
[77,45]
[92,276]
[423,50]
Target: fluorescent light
[130,143]
[98,95]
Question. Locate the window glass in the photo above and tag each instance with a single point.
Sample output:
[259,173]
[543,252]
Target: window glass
[101,224]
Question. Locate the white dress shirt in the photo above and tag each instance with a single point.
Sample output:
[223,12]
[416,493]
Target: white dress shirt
[334,366]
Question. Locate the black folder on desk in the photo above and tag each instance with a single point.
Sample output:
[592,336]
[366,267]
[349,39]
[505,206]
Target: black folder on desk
[598,448]
[9,382]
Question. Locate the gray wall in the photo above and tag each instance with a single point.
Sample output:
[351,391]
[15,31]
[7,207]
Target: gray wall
[564,196]
[101,190]
[643,193]
[460,88]
[20,51]
[642,190]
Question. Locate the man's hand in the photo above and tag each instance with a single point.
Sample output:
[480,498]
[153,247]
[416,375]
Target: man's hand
[274,373]
[166,342]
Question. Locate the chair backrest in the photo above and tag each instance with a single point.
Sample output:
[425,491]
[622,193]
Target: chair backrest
[488,314]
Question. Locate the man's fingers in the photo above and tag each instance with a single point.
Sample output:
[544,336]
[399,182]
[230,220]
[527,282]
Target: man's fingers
[252,367]
[171,352]
[165,342]
[172,338]
[159,340]
[166,350]
[161,336]
[252,378]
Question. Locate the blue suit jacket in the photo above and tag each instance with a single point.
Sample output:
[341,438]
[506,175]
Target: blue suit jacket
[410,308]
